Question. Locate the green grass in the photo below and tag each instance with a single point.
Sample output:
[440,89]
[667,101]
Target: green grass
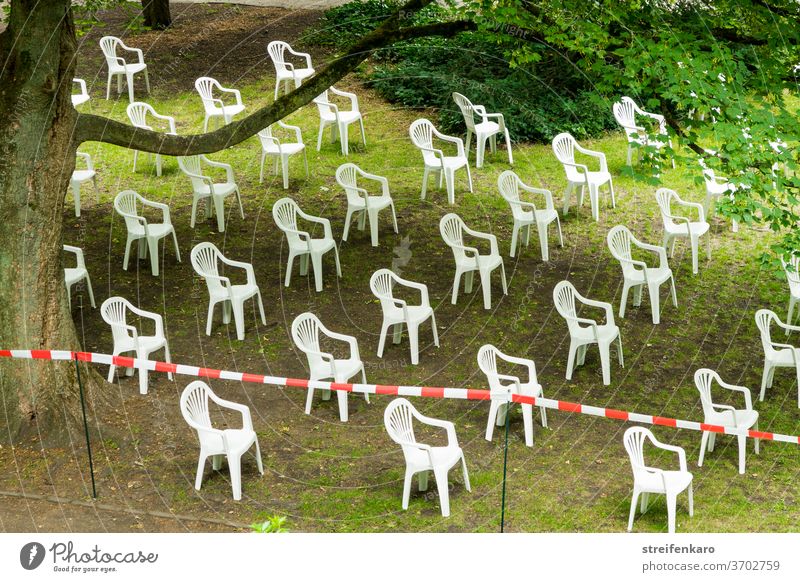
[328,476]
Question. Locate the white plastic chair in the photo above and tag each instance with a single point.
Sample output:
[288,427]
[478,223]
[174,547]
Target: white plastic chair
[469,259]
[625,112]
[127,338]
[281,150]
[397,312]
[647,480]
[214,106]
[148,234]
[502,384]
[776,355]
[584,332]
[526,213]
[792,271]
[488,127]
[306,330]
[79,177]
[119,67]
[331,114]
[359,201]
[138,113]
[216,443]
[724,415]
[716,187]
[636,274]
[285,212]
[286,72]
[205,260]
[82,96]
[678,226]
[203,187]
[422,133]
[579,175]
[73,275]
[420,458]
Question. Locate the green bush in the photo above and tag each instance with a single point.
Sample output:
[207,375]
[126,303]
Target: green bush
[538,100]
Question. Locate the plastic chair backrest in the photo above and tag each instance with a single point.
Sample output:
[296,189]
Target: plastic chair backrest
[381,284]
[625,115]
[114,312]
[421,132]
[764,318]
[205,87]
[564,149]
[487,362]
[108,44]
[467,110]
[664,198]
[205,257]
[634,439]
[703,379]
[305,333]
[398,418]
[126,203]
[619,243]
[194,404]
[508,185]
[284,212]
[137,113]
[452,229]
[277,50]
[193,165]
[564,295]
[347,177]
[325,110]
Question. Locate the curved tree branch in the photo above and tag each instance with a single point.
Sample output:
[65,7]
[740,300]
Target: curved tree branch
[103,129]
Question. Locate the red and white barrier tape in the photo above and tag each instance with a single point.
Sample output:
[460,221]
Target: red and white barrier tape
[423,391]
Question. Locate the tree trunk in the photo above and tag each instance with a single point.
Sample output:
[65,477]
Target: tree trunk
[37,156]
[156,14]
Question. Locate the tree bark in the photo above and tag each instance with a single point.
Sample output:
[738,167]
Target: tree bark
[37,156]
[156,14]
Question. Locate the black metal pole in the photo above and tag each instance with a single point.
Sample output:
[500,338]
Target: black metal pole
[505,467]
[86,424]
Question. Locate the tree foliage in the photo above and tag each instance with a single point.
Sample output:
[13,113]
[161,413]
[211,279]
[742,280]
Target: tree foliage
[723,73]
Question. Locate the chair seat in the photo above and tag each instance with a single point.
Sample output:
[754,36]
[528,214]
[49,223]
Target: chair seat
[739,418]
[782,358]
[599,178]
[676,481]
[298,74]
[238,292]
[238,439]
[695,228]
[543,216]
[74,274]
[318,245]
[158,230]
[128,68]
[288,149]
[441,456]
[82,175]
[344,116]
[484,262]
[345,369]
[717,189]
[79,99]
[416,313]
[376,202]
[147,343]
[605,333]
[487,127]
[656,275]
[221,189]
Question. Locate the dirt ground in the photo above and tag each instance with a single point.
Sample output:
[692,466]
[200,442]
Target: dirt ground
[328,476]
